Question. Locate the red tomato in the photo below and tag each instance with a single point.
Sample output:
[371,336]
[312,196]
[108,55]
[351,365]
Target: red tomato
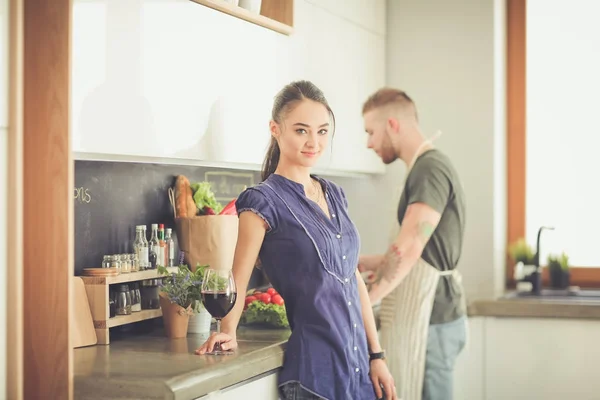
[265,298]
[250,299]
[277,299]
[271,291]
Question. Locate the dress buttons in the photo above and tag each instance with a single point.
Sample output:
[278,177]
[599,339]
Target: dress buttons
[355,325]
[346,280]
[332,215]
[338,236]
[349,303]
[343,257]
[357,369]
[355,348]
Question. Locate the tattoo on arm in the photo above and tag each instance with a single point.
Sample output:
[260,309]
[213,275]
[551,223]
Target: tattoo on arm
[425,230]
[393,258]
[389,266]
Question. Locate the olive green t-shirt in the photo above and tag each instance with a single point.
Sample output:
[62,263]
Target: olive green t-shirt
[434,181]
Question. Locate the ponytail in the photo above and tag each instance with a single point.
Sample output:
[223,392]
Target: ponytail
[271,160]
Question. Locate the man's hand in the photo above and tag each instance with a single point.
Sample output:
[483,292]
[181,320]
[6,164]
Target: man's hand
[369,262]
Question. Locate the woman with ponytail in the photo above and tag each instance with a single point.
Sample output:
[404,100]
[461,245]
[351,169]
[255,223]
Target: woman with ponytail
[298,224]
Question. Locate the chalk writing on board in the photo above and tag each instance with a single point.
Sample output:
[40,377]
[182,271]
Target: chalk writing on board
[82,195]
[228,185]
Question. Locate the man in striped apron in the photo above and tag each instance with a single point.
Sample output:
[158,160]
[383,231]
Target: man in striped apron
[423,310]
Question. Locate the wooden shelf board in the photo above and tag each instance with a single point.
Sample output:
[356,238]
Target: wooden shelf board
[124,278]
[242,13]
[133,317]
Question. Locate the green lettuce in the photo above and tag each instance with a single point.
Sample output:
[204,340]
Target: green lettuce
[204,196]
[267,314]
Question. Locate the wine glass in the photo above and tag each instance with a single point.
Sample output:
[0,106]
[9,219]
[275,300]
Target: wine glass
[218,296]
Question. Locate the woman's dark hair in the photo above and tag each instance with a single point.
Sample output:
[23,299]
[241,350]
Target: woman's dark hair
[285,100]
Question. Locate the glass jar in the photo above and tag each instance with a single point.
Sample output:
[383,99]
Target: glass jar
[135,263]
[150,289]
[123,300]
[115,262]
[125,264]
[106,262]
[136,298]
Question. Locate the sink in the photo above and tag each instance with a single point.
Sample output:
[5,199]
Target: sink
[575,294]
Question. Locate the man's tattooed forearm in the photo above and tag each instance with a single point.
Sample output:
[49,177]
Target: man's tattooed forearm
[389,266]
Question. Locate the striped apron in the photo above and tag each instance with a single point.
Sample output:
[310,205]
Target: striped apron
[404,316]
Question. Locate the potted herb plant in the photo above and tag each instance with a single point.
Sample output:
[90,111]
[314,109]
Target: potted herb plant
[558,266]
[176,300]
[523,256]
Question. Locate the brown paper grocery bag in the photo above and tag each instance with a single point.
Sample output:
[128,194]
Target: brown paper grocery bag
[206,239]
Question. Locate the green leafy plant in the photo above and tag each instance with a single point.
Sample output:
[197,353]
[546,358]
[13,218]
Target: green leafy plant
[520,251]
[558,262]
[270,314]
[196,289]
[179,286]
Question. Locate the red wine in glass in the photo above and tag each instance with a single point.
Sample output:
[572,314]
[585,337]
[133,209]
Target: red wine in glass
[218,296]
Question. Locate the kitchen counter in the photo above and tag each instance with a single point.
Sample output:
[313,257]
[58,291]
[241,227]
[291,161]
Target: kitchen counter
[154,367]
[535,308]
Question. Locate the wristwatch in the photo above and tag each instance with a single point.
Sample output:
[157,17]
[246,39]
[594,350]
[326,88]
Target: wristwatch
[377,356]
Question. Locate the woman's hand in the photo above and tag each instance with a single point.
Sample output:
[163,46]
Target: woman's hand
[228,342]
[380,376]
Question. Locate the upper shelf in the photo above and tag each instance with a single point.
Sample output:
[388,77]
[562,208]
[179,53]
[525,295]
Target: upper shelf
[277,15]
[130,277]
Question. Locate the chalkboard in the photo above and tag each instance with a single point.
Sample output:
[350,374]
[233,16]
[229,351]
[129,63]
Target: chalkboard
[111,198]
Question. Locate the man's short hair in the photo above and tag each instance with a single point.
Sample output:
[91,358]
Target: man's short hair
[390,97]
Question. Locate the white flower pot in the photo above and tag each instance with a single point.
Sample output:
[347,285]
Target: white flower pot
[251,5]
[200,322]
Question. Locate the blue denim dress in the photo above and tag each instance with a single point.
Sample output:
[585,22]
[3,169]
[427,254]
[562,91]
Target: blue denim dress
[311,261]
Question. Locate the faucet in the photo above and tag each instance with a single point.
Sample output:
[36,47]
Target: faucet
[536,276]
[538,252]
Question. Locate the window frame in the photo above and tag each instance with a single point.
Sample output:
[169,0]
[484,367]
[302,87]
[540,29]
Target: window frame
[516,144]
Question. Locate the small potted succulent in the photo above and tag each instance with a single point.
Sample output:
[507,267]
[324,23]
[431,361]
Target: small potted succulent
[523,256]
[558,266]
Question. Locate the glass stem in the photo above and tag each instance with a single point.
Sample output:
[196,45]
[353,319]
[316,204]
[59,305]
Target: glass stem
[218,344]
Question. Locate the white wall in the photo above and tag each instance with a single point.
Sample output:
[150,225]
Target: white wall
[3,187]
[449,57]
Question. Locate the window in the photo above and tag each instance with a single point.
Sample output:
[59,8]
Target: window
[554,134]
[562,127]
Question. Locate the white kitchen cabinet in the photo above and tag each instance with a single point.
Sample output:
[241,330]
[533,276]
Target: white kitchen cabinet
[550,359]
[177,80]
[261,388]
[348,66]
[3,63]
[368,14]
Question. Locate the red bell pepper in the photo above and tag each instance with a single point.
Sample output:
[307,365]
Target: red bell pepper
[229,209]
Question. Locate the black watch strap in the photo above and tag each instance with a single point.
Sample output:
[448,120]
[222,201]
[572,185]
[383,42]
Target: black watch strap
[377,356]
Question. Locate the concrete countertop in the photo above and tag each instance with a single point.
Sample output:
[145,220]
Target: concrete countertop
[535,307]
[153,366]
